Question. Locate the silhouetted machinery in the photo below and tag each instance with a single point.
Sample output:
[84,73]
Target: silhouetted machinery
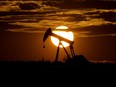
[50,33]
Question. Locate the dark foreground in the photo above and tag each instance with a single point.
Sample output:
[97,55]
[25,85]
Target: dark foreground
[77,64]
[77,70]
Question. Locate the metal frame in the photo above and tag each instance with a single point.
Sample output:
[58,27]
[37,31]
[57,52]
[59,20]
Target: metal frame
[49,33]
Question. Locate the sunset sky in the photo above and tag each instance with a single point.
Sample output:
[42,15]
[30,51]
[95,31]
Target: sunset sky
[92,22]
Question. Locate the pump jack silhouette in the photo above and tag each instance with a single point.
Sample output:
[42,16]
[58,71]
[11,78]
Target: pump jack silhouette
[50,33]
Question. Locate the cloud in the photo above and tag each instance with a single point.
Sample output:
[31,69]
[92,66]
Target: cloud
[6,25]
[26,5]
[92,30]
[107,15]
[100,35]
[99,31]
[9,8]
[54,21]
[72,11]
[85,21]
[26,30]
[92,22]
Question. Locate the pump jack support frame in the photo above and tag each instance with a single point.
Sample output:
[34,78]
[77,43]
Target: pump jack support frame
[49,33]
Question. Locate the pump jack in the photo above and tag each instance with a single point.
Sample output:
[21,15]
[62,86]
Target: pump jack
[50,33]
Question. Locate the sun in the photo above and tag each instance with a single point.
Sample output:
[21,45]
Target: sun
[61,30]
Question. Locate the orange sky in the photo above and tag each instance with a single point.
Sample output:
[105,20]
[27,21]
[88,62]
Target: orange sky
[21,34]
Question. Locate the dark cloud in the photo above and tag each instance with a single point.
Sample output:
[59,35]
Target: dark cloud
[28,6]
[5,25]
[108,16]
[71,4]
[105,15]
[74,17]
[4,3]
[100,29]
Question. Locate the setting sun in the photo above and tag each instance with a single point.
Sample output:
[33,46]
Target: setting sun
[66,34]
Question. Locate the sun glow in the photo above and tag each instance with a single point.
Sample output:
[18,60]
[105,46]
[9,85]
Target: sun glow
[62,27]
[66,34]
